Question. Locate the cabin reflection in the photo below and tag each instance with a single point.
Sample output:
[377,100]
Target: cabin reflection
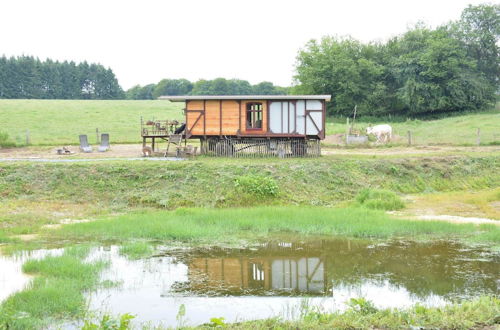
[282,275]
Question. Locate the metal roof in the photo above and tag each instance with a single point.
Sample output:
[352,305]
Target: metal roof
[182,98]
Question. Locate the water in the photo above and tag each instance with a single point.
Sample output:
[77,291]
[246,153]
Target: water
[285,279]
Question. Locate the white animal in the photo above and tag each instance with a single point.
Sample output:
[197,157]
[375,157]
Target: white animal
[383,133]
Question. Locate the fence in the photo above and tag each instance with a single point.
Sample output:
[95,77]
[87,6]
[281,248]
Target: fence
[256,148]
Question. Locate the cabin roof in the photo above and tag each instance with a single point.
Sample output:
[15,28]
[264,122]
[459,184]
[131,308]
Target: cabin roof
[183,98]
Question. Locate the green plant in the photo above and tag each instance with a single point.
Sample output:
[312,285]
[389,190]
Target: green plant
[257,185]
[362,305]
[5,141]
[217,322]
[379,199]
[110,323]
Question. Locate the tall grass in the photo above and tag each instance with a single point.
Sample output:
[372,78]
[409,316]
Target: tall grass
[480,313]
[136,250]
[227,225]
[379,199]
[55,294]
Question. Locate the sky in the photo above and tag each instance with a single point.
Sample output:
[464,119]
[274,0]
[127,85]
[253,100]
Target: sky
[148,40]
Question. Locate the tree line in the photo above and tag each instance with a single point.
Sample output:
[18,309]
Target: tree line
[26,77]
[219,86]
[452,68]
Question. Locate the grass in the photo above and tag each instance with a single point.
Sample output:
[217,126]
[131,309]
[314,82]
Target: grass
[34,194]
[59,122]
[456,130]
[136,250]
[378,199]
[56,293]
[484,203]
[478,313]
[231,225]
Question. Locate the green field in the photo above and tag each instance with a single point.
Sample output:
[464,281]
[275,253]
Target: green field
[456,130]
[59,122]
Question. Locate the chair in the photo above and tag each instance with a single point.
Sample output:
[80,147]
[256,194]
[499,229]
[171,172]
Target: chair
[104,142]
[174,139]
[84,144]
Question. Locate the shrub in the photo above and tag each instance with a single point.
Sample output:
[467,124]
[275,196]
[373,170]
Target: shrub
[379,200]
[4,140]
[259,186]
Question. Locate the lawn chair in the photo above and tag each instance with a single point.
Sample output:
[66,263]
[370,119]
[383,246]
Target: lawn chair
[104,142]
[84,144]
[174,139]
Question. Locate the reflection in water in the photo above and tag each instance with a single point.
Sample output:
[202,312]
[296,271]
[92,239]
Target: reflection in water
[271,280]
[274,279]
[441,268]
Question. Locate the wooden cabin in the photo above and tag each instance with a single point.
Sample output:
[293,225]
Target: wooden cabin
[224,122]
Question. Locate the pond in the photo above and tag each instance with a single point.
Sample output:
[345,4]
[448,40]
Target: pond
[281,279]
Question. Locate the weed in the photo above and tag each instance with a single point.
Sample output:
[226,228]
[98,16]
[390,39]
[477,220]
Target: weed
[110,323]
[379,200]
[229,225]
[259,186]
[55,294]
[136,250]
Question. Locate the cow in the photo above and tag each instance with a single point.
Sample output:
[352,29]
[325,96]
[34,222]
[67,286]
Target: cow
[383,133]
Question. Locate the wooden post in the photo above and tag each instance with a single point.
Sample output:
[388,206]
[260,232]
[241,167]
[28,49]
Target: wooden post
[347,131]
[409,138]
[478,139]
[28,140]
[97,136]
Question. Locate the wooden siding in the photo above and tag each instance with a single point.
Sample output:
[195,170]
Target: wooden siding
[243,118]
[212,113]
[192,116]
[230,117]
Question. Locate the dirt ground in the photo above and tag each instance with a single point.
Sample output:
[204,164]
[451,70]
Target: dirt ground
[135,150]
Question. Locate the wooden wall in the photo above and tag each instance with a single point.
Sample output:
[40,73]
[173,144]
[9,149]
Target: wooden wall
[231,117]
[243,118]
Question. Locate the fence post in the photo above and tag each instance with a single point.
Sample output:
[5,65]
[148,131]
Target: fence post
[409,138]
[478,139]
[97,136]
[28,140]
[347,131]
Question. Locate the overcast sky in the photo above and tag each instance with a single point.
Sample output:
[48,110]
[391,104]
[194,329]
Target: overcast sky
[145,41]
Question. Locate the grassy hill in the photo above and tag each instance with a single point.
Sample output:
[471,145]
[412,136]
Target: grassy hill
[455,130]
[59,122]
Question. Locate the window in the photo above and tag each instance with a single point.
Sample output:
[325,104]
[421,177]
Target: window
[254,115]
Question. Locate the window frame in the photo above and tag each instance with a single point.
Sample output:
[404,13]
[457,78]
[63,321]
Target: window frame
[248,111]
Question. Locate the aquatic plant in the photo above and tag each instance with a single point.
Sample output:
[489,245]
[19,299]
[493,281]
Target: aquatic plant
[231,225]
[55,294]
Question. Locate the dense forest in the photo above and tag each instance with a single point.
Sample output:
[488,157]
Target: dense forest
[219,86]
[455,67]
[26,77]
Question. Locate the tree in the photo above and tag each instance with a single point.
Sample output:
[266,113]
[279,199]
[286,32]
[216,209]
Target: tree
[344,68]
[435,73]
[172,87]
[27,77]
[479,30]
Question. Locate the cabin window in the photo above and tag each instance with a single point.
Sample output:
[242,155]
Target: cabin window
[254,115]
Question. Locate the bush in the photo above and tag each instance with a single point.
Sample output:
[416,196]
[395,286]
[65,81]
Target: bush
[4,140]
[379,200]
[260,186]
